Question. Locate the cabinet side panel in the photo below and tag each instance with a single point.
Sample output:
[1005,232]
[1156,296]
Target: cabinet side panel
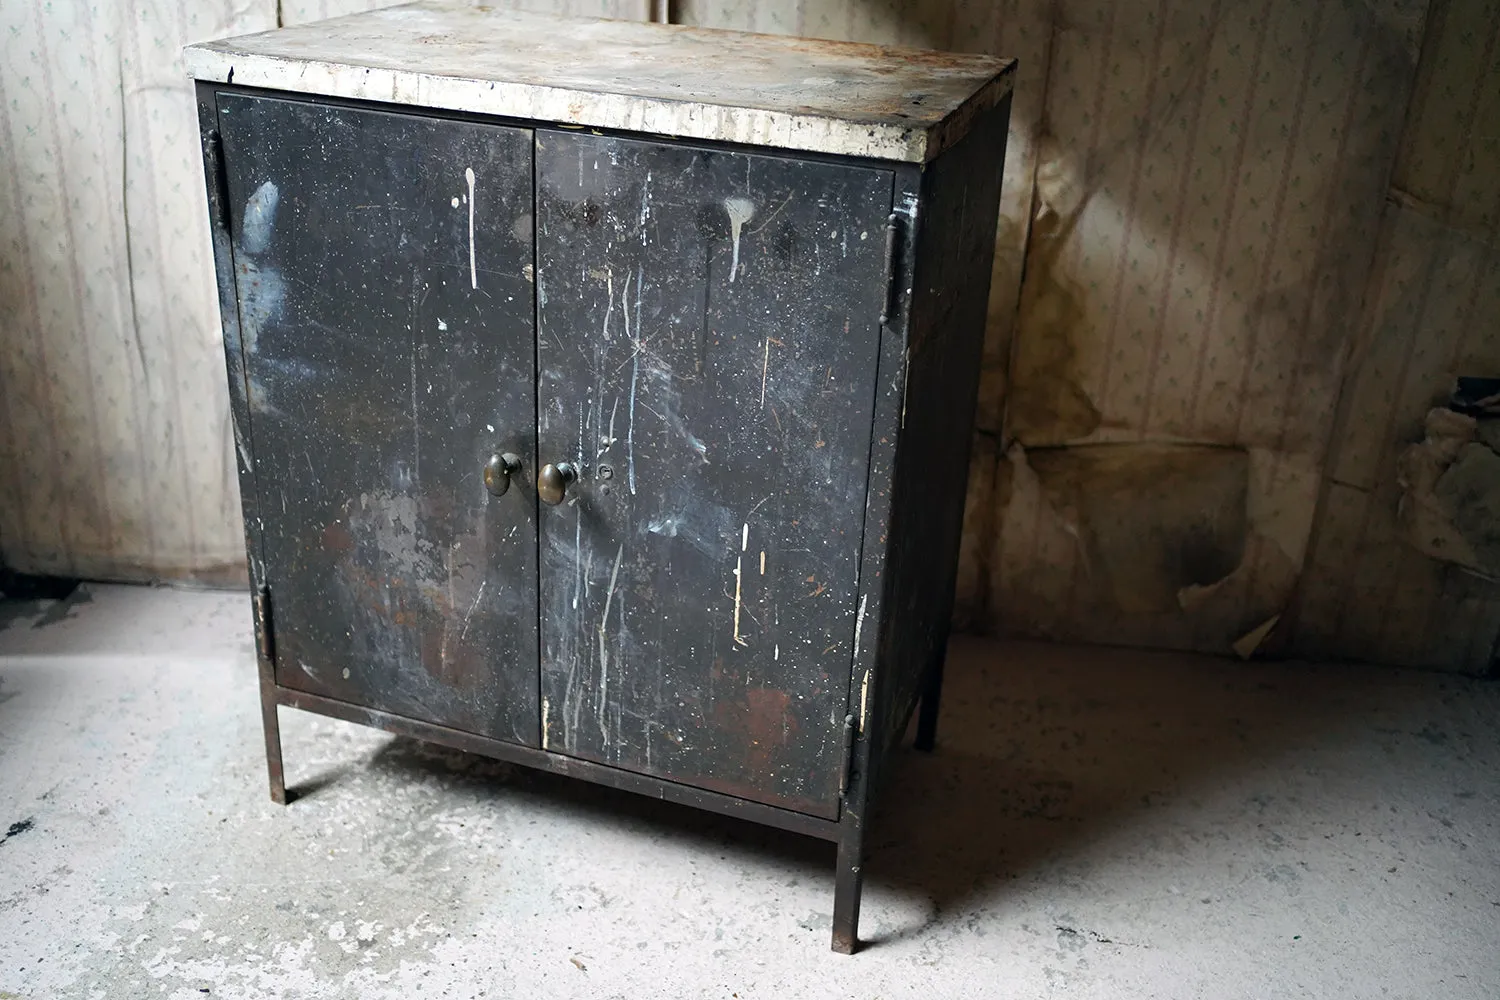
[950,292]
[229,321]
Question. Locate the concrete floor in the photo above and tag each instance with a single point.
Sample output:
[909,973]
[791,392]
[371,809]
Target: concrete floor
[1095,823]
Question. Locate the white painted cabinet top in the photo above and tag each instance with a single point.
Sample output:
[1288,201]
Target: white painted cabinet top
[766,90]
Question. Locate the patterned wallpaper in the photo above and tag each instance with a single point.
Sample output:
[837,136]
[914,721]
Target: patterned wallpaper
[1233,272]
[116,443]
[1432,313]
[1197,200]
[1206,204]
[116,437]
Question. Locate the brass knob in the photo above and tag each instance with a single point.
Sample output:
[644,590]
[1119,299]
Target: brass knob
[552,482]
[498,470]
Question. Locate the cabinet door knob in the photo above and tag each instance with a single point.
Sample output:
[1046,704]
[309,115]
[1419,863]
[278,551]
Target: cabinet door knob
[498,470]
[552,482]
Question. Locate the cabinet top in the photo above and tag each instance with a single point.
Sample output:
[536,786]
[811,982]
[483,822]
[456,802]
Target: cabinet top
[843,98]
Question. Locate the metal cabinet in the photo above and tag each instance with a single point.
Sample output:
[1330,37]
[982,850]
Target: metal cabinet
[631,452]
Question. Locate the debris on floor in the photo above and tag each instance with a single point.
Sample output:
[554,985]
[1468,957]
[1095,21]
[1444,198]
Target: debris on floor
[1450,480]
[1094,823]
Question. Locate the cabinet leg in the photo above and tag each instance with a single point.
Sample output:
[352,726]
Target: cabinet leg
[272,727]
[848,883]
[265,658]
[932,696]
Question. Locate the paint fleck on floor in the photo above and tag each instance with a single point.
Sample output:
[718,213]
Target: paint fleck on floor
[1095,823]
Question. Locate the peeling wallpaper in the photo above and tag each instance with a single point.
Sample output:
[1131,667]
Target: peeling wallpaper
[1432,313]
[1200,211]
[1206,201]
[1243,249]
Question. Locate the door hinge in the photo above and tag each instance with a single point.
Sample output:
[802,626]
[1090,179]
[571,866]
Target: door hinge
[844,775]
[892,240]
[265,640]
[218,178]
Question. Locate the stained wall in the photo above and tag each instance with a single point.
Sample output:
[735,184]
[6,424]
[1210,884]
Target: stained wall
[1243,250]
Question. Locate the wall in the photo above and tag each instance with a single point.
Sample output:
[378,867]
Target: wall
[116,443]
[1232,279]
[114,423]
[1432,312]
[1233,273]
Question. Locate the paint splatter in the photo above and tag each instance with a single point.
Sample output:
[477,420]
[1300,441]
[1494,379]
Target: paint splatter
[473,271]
[601,710]
[260,217]
[739,566]
[740,210]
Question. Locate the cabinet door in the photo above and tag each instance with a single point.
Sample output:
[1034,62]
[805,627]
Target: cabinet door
[707,336]
[383,264]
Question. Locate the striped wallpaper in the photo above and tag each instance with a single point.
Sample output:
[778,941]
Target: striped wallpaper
[1243,248]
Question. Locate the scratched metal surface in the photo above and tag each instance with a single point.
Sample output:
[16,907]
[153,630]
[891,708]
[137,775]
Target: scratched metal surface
[386,321]
[707,330]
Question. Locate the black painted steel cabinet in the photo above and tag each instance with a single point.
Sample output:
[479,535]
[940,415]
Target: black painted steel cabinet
[635,457]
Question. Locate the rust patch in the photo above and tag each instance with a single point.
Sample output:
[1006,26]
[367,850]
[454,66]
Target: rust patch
[770,720]
[769,725]
[763,723]
[336,538]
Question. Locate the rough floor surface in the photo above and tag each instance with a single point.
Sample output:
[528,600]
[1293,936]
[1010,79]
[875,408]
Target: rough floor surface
[1095,823]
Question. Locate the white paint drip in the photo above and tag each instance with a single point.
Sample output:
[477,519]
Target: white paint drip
[859,623]
[740,211]
[635,367]
[462,635]
[455,201]
[442,325]
[600,708]
[577,556]
[905,381]
[765,368]
[739,564]
[762,562]
[864,698]
[473,271]
[645,206]
[416,423]
[545,709]
[609,310]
